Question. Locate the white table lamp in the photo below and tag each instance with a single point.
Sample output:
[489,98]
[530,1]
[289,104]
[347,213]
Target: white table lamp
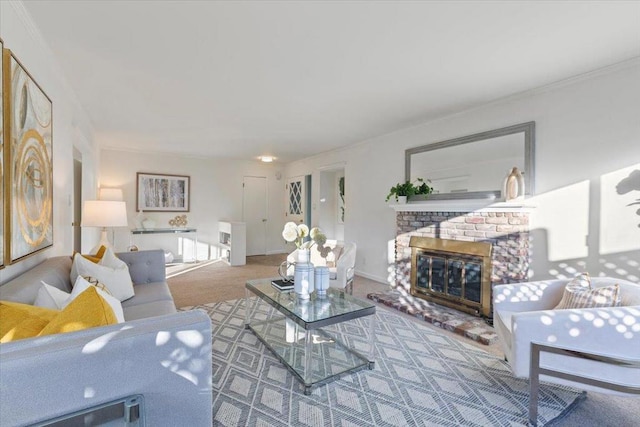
[104,214]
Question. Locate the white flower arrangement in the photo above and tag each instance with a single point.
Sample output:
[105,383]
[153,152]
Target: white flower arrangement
[296,233]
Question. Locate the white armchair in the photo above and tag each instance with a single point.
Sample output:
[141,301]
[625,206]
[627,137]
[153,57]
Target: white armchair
[341,261]
[589,349]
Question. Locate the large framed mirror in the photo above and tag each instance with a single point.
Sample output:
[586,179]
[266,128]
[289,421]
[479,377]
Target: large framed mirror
[474,166]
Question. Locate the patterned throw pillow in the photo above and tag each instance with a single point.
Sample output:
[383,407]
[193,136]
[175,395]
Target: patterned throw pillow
[110,271]
[578,293]
[95,282]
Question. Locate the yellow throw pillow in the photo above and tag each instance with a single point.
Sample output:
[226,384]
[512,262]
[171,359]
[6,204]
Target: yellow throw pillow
[95,258]
[19,321]
[88,310]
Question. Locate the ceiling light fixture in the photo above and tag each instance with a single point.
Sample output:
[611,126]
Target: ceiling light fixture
[267,159]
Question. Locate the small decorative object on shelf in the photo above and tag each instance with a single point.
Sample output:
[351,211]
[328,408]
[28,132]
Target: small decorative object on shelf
[513,188]
[148,224]
[303,275]
[178,221]
[140,219]
[402,191]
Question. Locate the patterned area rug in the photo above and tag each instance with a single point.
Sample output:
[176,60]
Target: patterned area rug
[421,378]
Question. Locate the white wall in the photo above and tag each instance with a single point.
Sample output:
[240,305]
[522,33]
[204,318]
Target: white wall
[216,194]
[70,126]
[587,139]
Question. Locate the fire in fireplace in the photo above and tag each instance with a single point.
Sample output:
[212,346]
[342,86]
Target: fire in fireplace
[453,273]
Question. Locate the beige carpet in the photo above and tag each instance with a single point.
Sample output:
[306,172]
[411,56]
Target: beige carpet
[218,281]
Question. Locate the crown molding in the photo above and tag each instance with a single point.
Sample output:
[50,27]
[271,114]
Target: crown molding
[29,24]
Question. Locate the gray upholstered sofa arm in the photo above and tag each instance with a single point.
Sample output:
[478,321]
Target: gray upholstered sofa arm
[166,359]
[145,266]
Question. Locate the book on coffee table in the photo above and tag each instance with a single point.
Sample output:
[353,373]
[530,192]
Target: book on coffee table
[282,285]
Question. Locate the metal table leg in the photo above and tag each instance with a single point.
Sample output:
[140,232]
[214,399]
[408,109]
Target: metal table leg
[247,310]
[372,341]
[308,349]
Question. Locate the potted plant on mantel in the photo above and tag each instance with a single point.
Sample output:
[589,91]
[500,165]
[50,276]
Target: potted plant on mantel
[402,191]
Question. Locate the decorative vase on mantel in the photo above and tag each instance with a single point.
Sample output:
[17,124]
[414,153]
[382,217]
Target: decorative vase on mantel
[513,188]
[303,275]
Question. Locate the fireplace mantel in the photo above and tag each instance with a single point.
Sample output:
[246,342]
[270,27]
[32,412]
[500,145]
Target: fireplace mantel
[463,205]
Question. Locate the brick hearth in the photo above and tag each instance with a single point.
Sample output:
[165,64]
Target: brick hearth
[452,320]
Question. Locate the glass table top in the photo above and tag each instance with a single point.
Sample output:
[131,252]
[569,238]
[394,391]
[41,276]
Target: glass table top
[335,307]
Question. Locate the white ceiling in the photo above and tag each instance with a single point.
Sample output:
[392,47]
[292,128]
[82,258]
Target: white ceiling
[292,79]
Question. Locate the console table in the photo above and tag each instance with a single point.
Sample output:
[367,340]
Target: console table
[176,230]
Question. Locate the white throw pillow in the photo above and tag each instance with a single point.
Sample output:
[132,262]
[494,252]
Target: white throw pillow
[51,297]
[111,271]
[82,285]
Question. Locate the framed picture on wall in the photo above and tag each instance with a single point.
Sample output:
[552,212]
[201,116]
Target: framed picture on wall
[162,192]
[28,161]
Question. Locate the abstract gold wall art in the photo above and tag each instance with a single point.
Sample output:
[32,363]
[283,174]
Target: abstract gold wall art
[28,156]
[2,100]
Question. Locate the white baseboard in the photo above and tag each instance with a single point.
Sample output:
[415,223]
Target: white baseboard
[372,277]
[276,252]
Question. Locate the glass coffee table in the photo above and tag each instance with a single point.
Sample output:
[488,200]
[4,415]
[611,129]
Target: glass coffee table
[305,336]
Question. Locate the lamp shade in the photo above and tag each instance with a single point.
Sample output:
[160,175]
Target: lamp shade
[104,213]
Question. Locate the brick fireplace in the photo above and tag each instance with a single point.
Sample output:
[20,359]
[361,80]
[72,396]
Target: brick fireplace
[505,226]
[506,229]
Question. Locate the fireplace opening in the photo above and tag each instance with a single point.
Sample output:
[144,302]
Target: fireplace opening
[453,273]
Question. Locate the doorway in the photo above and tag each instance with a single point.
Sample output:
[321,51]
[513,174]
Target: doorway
[77,200]
[254,213]
[333,208]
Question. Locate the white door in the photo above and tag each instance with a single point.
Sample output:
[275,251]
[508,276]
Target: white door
[254,212]
[296,202]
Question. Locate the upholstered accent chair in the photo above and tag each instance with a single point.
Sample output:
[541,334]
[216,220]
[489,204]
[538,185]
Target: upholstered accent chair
[587,348]
[339,256]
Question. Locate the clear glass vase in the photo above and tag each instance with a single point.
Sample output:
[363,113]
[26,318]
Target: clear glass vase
[303,275]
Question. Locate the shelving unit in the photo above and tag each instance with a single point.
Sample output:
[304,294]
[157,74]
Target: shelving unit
[233,242]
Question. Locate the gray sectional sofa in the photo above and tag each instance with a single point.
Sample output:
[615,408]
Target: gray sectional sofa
[159,355]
